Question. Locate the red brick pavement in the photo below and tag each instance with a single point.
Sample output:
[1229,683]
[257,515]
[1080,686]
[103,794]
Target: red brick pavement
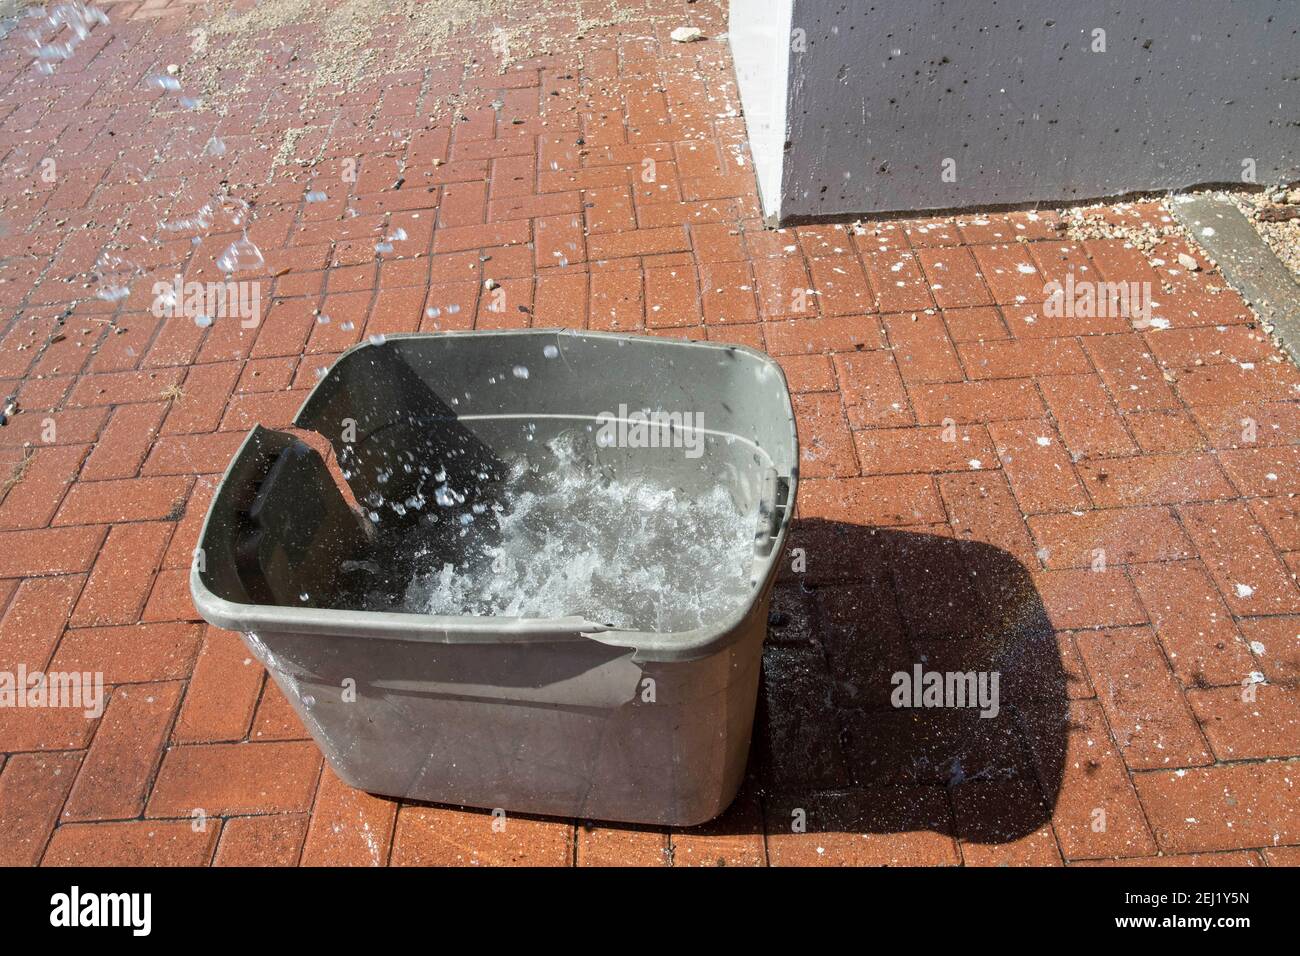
[1110,508]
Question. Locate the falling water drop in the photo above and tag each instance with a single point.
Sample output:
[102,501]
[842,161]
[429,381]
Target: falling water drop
[241,255]
[113,275]
[166,300]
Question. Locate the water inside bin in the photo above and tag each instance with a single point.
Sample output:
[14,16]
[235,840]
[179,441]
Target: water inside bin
[572,529]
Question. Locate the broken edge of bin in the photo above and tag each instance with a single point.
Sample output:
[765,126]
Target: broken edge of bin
[222,598]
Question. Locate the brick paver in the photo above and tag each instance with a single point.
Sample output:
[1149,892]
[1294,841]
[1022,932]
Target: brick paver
[1097,507]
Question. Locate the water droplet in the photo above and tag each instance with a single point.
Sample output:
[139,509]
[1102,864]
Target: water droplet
[241,255]
[230,212]
[202,321]
[54,51]
[113,275]
[520,371]
[378,339]
[191,102]
[202,220]
[322,319]
[551,351]
[346,326]
[447,498]
[215,147]
[316,196]
[383,248]
[168,84]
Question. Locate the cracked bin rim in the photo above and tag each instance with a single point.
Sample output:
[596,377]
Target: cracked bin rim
[453,629]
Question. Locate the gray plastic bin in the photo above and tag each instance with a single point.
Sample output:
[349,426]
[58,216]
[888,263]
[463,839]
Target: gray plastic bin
[561,716]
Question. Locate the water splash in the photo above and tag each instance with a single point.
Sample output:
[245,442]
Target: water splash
[45,26]
[572,541]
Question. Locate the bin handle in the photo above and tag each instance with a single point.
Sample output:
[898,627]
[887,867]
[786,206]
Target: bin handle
[773,505]
[780,505]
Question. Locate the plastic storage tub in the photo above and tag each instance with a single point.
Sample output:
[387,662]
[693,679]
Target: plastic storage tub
[564,715]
